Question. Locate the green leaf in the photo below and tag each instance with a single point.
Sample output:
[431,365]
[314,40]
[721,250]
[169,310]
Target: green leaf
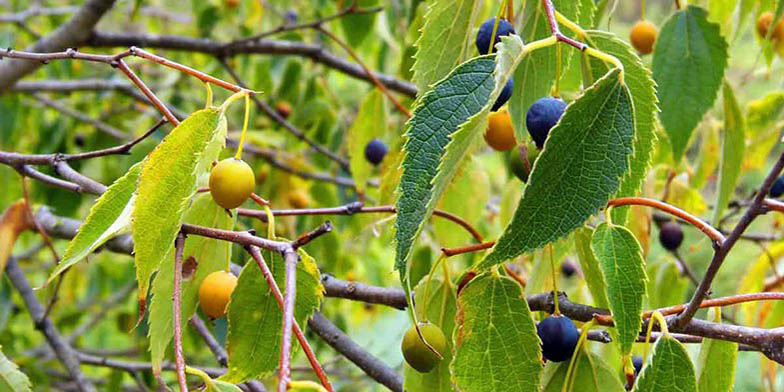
[716,364]
[444,41]
[643,93]
[762,133]
[109,216]
[470,188]
[441,309]
[371,122]
[733,146]
[670,369]
[590,374]
[255,319]
[583,160]
[209,254]
[620,258]
[667,286]
[594,278]
[211,385]
[688,66]
[451,103]
[496,345]
[11,378]
[166,184]
[357,27]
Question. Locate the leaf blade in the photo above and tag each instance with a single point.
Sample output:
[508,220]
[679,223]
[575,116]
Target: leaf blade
[733,147]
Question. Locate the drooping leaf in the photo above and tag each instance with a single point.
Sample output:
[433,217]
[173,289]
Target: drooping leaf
[594,278]
[688,65]
[166,184]
[444,40]
[109,216]
[620,258]
[762,132]
[590,374]
[670,369]
[209,254]
[255,319]
[496,345]
[583,160]
[733,146]
[716,364]
[14,220]
[470,188]
[11,378]
[370,123]
[643,93]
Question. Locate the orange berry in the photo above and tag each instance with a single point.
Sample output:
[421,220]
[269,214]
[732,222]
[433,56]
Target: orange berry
[232,3]
[500,132]
[763,26]
[643,36]
[215,293]
[283,108]
[298,199]
[231,183]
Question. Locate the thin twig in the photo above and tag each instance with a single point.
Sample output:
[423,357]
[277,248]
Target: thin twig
[179,358]
[291,27]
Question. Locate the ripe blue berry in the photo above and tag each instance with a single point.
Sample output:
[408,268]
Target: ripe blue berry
[291,16]
[506,93]
[375,151]
[777,189]
[671,235]
[559,338]
[637,362]
[568,268]
[542,116]
[486,30]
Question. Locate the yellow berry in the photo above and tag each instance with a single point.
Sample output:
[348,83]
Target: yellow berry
[500,132]
[215,293]
[419,356]
[231,183]
[643,36]
[298,199]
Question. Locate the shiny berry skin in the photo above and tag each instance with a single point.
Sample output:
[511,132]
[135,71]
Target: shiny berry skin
[643,36]
[763,25]
[559,338]
[671,235]
[500,133]
[637,362]
[215,293]
[375,151]
[542,116]
[486,30]
[777,189]
[506,93]
[419,356]
[231,183]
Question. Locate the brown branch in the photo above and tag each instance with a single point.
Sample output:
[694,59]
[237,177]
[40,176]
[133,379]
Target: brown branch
[292,27]
[179,358]
[357,291]
[291,258]
[449,252]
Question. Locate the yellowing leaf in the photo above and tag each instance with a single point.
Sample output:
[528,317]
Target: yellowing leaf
[14,221]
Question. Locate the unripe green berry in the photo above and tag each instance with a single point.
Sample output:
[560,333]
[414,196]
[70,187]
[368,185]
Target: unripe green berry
[417,354]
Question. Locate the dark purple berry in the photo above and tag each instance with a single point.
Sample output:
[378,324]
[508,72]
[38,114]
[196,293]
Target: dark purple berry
[375,151]
[542,116]
[671,235]
[568,268]
[777,189]
[79,140]
[559,338]
[506,93]
[486,30]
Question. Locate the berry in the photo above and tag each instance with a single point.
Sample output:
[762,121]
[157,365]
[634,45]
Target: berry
[215,293]
[231,183]
[763,26]
[777,189]
[500,132]
[291,16]
[521,160]
[79,140]
[375,151]
[637,362]
[298,199]
[559,338]
[643,36]
[506,93]
[486,30]
[542,116]
[568,268]
[419,356]
[232,3]
[283,108]
[671,235]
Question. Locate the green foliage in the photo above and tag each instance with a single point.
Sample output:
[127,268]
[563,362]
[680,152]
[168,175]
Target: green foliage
[733,146]
[670,369]
[594,277]
[688,65]
[716,364]
[590,374]
[11,379]
[371,122]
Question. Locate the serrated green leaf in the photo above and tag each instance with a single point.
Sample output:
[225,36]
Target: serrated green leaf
[441,308]
[643,93]
[594,278]
[620,258]
[109,216]
[716,364]
[688,66]
[255,319]
[733,146]
[11,378]
[580,167]
[209,254]
[496,345]
[166,184]
[451,103]
[590,374]
[670,369]
[371,122]
[444,41]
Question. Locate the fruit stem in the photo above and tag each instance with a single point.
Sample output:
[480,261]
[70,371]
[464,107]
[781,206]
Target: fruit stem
[208,102]
[574,27]
[244,127]
[570,372]
[642,9]
[510,11]
[495,26]
[662,325]
[270,222]
[557,311]
[608,58]
[427,285]
[558,70]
